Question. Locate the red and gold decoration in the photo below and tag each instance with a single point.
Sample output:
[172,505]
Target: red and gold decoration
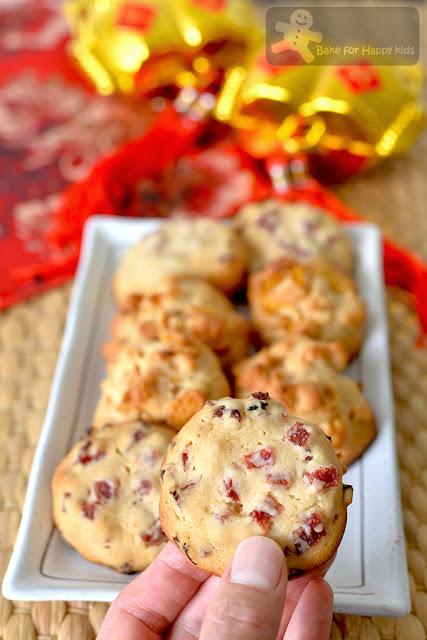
[354,114]
[156,47]
[366,111]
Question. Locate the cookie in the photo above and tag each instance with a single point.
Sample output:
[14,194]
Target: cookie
[106,495]
[294,230]
[165,380]
[182,247]
[303,378]
[244,467]
[184,305]
[300,351]
[311,299]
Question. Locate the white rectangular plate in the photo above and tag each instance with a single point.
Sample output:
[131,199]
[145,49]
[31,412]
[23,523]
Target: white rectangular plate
[369,575]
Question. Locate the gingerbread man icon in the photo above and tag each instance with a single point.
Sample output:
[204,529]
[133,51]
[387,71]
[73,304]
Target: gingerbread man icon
[297,35]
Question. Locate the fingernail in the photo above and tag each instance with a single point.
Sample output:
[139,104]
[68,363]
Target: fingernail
[257,562]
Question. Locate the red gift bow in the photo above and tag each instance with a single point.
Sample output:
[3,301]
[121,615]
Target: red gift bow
[170,137]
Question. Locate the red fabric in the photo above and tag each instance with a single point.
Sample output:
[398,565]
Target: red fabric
[53,128]
[110,188]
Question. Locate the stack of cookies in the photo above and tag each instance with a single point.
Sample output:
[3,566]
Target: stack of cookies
[178,348]
[306,310]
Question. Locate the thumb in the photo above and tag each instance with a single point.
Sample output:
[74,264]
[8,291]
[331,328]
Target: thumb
[248,603]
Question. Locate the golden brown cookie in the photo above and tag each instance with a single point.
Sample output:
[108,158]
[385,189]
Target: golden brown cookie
[311,388]
[240,468]
[184,305]
[300,351]
[311,299]
[165,380]
[182,247]
[106,495]
[294,230]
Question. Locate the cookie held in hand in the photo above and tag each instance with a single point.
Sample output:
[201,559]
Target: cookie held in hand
[106,495]
[240,468]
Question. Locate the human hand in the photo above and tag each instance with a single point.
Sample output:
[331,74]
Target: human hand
[175,600]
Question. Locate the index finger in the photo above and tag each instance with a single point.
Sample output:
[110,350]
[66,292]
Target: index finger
[151,602]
